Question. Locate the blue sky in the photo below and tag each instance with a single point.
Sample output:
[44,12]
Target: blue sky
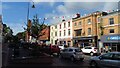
[15,13]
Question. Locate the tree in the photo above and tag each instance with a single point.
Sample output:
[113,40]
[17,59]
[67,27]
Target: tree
[37,27]
[21,35]
[7,33]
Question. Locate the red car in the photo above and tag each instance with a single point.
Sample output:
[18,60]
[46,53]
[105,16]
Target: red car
[55,49]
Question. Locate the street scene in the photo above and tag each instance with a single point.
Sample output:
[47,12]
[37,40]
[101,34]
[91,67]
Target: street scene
[37,34]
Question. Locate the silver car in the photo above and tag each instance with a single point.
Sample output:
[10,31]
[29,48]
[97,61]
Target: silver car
[108,60]
[73,53]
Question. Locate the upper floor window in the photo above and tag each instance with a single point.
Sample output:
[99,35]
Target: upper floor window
[56,27]
[56,33]
[64,25]
[111,30]
[111,21]
[60,33]
[75,24]
[78,32]
[64,33]
[89,31]
[98,19]
[80,23]
[68,24]
[60,26]
[89,21]
[68,31]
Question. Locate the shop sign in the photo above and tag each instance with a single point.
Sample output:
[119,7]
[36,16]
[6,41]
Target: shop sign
[114,38]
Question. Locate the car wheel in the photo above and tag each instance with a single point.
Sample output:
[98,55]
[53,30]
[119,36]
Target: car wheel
[72,58]
[91,53]
[93,64]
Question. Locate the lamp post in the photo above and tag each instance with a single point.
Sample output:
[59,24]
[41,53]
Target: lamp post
[29,24]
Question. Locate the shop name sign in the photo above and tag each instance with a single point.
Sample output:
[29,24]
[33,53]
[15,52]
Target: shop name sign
[113,38]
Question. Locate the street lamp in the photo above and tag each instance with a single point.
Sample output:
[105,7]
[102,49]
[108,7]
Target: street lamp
[29,24]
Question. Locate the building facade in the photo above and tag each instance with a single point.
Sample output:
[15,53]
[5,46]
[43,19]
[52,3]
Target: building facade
[45,35]
[53,34]
[111,31]
[86,29]
[64,33]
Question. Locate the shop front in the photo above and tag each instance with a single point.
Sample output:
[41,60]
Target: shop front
[85,41]
[111,42]
[65,41]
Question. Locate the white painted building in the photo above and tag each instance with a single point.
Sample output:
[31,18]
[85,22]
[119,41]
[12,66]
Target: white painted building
[53,36]
[65,32]
[61,33]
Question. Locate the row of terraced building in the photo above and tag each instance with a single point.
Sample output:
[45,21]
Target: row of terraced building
[99,29]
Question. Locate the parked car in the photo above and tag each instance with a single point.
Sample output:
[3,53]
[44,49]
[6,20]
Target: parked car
[108,60]
[90,50]
[51,49]
[62,46]
[72,53]
[55,49]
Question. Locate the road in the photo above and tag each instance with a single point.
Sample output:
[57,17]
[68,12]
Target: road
[57,62]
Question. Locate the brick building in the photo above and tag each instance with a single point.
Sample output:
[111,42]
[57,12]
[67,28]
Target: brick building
[45,35]
[86,29]
[111,31]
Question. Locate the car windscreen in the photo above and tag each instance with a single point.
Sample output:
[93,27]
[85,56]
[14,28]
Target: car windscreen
[78,50]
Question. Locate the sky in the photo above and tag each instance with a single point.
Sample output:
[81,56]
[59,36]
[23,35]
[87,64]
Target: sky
[15,13]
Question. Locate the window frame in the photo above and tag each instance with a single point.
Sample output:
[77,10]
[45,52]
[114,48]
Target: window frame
[89,31]
[68,24]
[69,32]
[112,31]
[89,21]
[111,22]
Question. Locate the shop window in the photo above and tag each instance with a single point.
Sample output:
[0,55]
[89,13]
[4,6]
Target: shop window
[111,30]
[111,21]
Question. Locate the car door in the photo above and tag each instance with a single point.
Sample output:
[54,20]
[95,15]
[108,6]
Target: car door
[87,49]
[106,59]
[115,61]
[69,53]
[64,53]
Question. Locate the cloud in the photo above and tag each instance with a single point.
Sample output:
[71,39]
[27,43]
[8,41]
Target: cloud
[16,27]
[110,6]
[71,8]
